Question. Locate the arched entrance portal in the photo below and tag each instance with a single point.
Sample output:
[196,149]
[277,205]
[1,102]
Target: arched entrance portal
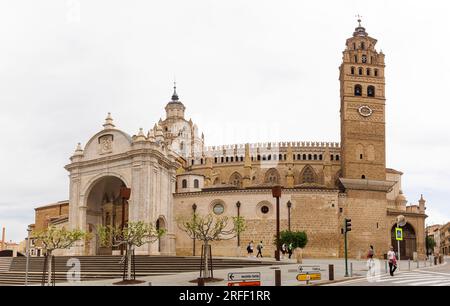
[162,242]
[104,207]
[408,245]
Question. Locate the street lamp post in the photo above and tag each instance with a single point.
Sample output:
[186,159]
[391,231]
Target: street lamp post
[289,204]
[125,194]
[28,255]
[238,205]
[276,193]
[194,209]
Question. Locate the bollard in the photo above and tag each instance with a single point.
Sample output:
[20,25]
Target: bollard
[330,272]
[409,264]
[435,260]
[351,269]
[201,281]
[386,266]
[278,278]
[149,283]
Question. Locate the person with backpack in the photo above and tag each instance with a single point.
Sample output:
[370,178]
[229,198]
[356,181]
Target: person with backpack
[259,247]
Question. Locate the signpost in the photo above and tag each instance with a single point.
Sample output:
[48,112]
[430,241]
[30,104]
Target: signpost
[244,279]
[308,273]
[401,221]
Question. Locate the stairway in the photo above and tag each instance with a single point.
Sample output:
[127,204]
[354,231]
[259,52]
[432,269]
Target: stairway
[5,263]
[106,267]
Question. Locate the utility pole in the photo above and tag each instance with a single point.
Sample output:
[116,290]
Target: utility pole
[276,193]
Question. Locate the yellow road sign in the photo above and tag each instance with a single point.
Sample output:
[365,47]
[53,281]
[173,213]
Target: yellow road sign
[308,277]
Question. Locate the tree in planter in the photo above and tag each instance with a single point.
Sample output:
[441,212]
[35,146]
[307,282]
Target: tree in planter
[134,234]
[298,240]
[209,228]
[53,238]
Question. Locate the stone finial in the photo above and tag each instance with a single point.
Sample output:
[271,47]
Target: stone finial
[151,135]
[140,136]
[78,150]
[109,122]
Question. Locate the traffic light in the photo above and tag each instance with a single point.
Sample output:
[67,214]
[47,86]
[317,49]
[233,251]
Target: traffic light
[348,225]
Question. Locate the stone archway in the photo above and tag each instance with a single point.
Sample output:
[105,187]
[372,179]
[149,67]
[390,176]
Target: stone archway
[408,245]
[163,244]
[104,207]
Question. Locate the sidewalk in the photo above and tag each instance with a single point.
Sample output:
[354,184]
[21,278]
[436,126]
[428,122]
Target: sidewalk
[289,271]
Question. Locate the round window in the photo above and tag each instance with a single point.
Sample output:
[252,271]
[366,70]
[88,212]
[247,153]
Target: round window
[218,209]
[264,209]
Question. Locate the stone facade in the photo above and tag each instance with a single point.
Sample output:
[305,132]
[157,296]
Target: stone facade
[170,169]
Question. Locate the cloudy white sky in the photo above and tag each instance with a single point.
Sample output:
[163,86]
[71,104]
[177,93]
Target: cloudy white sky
[247,71]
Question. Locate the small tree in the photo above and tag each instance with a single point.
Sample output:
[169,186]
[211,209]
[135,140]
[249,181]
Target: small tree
[210,228]
[134,234]
[298,240]
[430,245]
[54,238]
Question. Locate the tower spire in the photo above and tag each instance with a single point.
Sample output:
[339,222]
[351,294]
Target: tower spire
[175,95]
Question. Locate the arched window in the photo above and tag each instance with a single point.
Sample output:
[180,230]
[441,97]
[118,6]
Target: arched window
[184,184]
[320,156]
[269,157]
[356,58]
[332,157]
[215,160]
[259,157]
[304,156]
[308,175]
[272,177]
[264,157]
[231,159]
[280,157]
[192,162]
[363,177]
[337,157]
[236,180]
[359,151]
[315,156]
[242,158]
[360,71]
[196,183]
[371,91]
[299,157]
[201,161]
[226,159]
[358,90]
[221,159]
[309,156]
[354,46]
[363,45]
[368,71]
[376,72]
[352,70]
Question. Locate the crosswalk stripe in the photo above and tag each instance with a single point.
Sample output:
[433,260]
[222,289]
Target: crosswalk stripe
[393,278]
[443,284]
[419,279]
[427,282]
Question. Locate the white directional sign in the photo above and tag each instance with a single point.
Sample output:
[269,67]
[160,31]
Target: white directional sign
[244,276]
[308,269]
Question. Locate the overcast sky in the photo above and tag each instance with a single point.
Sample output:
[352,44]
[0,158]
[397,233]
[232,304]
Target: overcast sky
[247,71]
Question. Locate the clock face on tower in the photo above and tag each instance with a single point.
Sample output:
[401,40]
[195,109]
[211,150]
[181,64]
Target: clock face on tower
[365,111]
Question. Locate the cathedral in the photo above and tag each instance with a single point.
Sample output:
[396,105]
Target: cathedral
[172,173]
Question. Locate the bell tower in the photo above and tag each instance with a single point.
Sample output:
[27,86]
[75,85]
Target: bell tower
[362,108]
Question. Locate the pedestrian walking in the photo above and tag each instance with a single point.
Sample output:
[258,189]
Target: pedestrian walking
[250,249]
[392,261]
[370,261]
[259,247]
[290,249]
[283,250]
